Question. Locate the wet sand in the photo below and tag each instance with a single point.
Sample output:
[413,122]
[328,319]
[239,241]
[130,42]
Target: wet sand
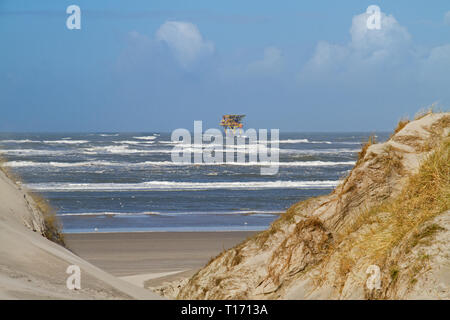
[155,256]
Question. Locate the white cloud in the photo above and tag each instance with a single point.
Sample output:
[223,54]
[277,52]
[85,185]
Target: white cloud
[328,55]
[272,62]
[366,59]
[439,55]
[369,43]
[367,47]
[385,62]
[447,18]
[185,41]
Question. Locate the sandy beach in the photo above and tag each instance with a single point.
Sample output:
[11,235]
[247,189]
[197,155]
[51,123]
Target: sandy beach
[152,257]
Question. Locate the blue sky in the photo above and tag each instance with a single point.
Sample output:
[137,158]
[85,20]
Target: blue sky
[160,65]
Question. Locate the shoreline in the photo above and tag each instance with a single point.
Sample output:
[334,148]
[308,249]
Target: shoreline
[162,231]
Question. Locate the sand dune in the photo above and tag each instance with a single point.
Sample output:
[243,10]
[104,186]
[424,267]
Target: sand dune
[32,267]
[391,213]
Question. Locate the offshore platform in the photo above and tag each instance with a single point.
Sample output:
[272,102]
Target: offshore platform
[233,122]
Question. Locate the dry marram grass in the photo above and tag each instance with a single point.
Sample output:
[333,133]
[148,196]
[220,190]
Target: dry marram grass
[52,226]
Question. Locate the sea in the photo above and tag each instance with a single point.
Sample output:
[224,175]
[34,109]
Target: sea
[127,182]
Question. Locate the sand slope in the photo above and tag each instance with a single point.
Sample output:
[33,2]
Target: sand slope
[32,267]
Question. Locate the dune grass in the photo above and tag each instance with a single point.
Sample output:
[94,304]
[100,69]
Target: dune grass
[374,234]
[362,153]
[53,227]
[400,125]
[425,195]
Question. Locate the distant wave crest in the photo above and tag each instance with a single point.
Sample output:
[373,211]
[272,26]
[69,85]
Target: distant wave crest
[145,138]
[176,185]
[99,163]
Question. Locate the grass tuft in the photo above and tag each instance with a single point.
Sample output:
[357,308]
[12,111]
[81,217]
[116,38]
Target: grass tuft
[52,225]
[361,154]
[401,124]
[425,234]
[394,272]
[424,112]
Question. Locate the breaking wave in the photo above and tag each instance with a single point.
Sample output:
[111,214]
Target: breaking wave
[19,164]
[65,141]
[260,213]
[175,185]
[145,138]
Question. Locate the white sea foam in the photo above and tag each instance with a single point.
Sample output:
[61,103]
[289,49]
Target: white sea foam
[65,141]
[124,149]
[320,151]
[35,152]
[286,141]
[134,142]
[319,142]
[254,148]
[294,141]
[62,141]
[300,141]
[300,163]
[121,149]
[253,163]
[175,185]
[20,141]
[19,164]
[108,213]
[145,138]
[259,213]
